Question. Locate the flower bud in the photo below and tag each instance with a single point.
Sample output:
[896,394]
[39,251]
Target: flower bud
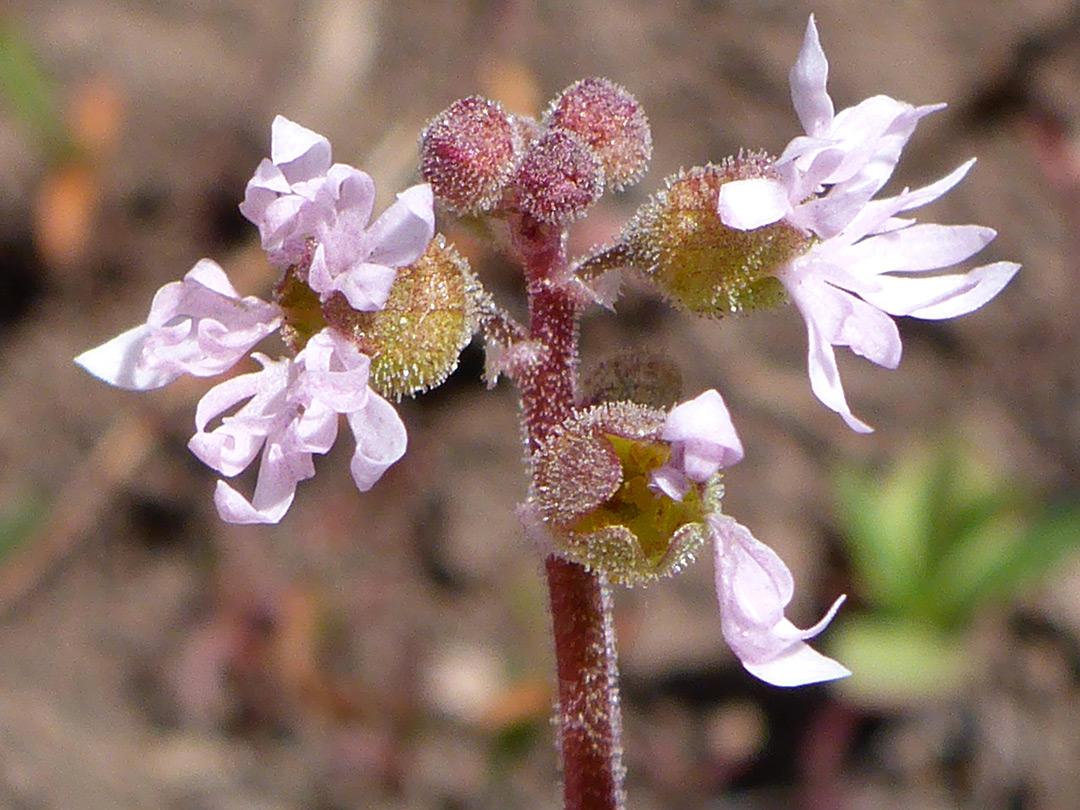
[635,376]
[700,264]
[612,122]
[560,178]
[468,152]
[414,342]
[594,491]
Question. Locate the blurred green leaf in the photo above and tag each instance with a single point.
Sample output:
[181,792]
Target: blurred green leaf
[940,536]
[26,91]
[18,522]
[896,662]
[1003,556]
[887,528]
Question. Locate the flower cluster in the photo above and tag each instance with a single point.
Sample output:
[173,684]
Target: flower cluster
[858,268]
[313,218]
[624,481]
[633,492]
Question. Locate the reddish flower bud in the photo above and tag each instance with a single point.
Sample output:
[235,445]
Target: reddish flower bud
[612,122]
[560,178]
[468,152]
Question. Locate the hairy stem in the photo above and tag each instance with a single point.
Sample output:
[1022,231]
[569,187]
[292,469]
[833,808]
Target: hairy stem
[589,722]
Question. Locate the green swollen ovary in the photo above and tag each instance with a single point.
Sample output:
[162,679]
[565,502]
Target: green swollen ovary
[652,517]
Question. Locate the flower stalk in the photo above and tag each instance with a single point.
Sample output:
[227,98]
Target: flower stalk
[589,722]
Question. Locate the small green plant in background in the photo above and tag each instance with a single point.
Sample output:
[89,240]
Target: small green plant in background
[932,544]
[27,92]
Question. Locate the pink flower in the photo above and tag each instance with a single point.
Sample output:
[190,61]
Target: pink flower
[862,257]
[703,440]
[292,412]
[753,586]
[202,326]
[297,195]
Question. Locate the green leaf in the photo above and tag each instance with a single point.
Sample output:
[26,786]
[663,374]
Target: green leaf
[1001,557]
[897,663]
[888,532]
[18,522]
[24,88]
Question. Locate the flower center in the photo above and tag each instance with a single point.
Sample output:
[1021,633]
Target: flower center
[652,517]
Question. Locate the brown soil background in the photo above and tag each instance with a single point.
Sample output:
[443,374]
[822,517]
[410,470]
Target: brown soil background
[391,650]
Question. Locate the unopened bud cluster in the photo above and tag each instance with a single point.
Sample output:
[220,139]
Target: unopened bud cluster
[481,160]
[593,489]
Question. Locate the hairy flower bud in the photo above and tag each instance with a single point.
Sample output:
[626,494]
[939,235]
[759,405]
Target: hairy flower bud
[678,240]
[635,376]
[595,492]
[612,122]
[560,178]
[414,342]
[468,153]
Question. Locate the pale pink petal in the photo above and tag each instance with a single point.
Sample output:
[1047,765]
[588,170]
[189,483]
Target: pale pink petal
[193,327]
[876,216]
[948,296]
[336,373]
[380,440]
[401,235]
[313,431]
[928,193]
[808,80]
[669,481]
[914,249]
[300,153]
[825,376]
[845,320]
[353,192]
[274,490]
[799,665]
[749,204]
[233,445]
[703,435]
[842,285]
[753,588]
[118,362]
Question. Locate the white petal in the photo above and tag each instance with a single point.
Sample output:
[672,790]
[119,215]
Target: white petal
[748,204]
[914,249]
[808,83]
[979,286]
[824,374]
[380,441]
[401,235]
[300,153]
[119,362]
[800,665]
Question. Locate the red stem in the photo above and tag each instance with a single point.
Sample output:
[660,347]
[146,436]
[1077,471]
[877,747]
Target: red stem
[585,655]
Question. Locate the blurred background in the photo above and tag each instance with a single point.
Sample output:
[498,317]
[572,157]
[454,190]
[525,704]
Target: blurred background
[392,650]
